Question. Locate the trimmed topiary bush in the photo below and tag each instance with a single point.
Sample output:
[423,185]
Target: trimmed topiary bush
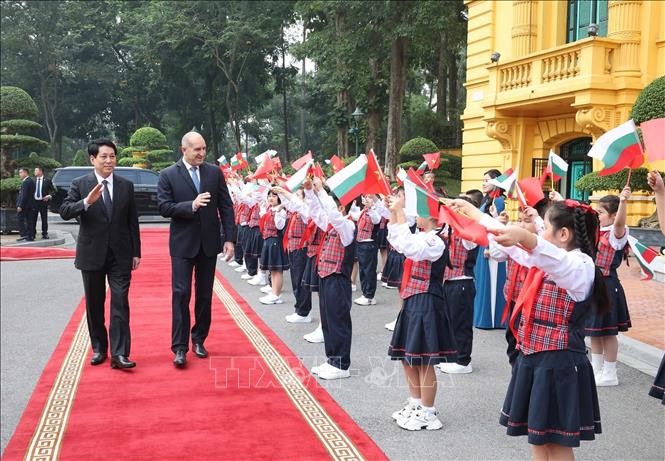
[159,155]
[615,182]
[34,160]
[413,150]
[20,126]
[15,103]
[80,158]
[9,188]
[650,103]
[159,166]
[149,137]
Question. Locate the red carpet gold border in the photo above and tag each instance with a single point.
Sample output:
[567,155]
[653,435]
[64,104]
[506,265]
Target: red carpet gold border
[47,438]
[333,438]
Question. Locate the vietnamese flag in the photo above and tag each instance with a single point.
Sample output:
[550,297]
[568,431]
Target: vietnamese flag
[375,181]
[336,163]
[433,160]
[653,132]
[529,191]
[417,180]
[277,163]
[266,167]
[317,171]
[465,227]
[299,163]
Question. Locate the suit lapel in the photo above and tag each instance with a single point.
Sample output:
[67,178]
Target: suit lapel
[188,177]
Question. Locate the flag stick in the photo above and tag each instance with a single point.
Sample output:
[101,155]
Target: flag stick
[630,171]
[552,179]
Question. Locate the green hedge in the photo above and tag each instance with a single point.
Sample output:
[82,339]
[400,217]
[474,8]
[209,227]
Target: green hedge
[650,103]
[19,126]
[9,188]
[159,155]
[129,151]
[13,141]
[615,182]
[159,166]
[34,160]
[81,158]
[413,149]
[15,103]
[149,137]
[131,161]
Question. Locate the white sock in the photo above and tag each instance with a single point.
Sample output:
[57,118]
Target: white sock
[597,362]
[416,402]
[429,410]
[611,367]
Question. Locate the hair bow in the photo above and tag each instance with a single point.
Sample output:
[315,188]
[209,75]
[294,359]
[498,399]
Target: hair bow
[570,203]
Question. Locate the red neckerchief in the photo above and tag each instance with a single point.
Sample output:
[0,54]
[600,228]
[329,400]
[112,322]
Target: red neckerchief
[526,300]
[406,274]
[309,231]
[511,290]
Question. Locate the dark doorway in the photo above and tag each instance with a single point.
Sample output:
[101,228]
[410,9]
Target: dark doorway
[575,153]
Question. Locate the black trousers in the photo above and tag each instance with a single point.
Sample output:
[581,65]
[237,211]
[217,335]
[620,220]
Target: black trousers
[94,285]
[335,307]
[458,302]
[40,210]
[297,262]
[237,256]
[367,260]
[203,268]
[26,226]
[511,351]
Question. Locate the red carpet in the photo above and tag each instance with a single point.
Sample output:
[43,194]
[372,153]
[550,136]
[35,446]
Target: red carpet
[26,253]
[234,405]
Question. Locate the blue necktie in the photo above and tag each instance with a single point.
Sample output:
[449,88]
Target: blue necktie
[195,178]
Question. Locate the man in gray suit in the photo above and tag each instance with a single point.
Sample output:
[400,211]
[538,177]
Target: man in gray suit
[108,246]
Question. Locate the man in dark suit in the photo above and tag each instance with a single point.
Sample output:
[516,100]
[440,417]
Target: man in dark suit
[25,203]
[194,195]
[108,246]
[43,193]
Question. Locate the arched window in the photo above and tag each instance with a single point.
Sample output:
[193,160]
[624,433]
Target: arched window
[581,13]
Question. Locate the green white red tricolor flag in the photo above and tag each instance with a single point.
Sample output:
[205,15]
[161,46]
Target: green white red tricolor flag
[619,148]
[348,183]
[295,181]
[222,160]
[644,255]
[419,202]
[558,167]
[506,181]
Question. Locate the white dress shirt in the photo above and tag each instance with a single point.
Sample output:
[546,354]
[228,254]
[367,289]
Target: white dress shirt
[421,246]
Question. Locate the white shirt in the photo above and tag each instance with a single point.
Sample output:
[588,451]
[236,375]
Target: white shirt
[616,243]
[109,186]
[323,210]
[421,246]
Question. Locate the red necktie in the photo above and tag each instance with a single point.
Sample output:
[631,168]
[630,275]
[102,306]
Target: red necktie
[406,274]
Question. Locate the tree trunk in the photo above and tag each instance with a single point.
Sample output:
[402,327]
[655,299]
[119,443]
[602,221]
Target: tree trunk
[398,63]
[441,103]
[453,110]
[373,115]
[214,142]
[303,142]
[342,95]
[285,114]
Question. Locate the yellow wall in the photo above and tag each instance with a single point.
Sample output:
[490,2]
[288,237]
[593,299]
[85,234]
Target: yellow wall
[544,92]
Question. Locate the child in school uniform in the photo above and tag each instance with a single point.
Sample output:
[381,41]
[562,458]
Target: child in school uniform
[273,257]
[296,252]
[459,291]
[656,183]
[312,239]
[335,262]
[604,330]
[367,250]
[422,336]
[253,243]
[552,393]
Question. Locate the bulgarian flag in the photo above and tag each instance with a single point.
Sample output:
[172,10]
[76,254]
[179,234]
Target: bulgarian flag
[619,148]
[222,160]
[506,181]
[421,169]
[419,202]
[401,175]
[644,256]
[349,182]
[239,161]
[295,181]
[557,166]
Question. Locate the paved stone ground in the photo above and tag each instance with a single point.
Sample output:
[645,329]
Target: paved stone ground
[633,422]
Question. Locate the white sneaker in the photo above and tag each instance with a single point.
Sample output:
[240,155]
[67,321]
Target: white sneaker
[258,280]
[364,301]
[315,336]
[378,276]
[240,269]
[607,378]
[420,420]
[353,287]
[331,372]
[454,368]
[391,326]
[391,287]
[384,284]
[246,276]
[405,412]
[266,289]
[233,263]
[295,318]
[271,299]
[317,369]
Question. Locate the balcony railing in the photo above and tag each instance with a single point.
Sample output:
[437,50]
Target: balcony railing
[568,63]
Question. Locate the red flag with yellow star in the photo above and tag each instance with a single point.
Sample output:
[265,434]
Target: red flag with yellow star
[375,181]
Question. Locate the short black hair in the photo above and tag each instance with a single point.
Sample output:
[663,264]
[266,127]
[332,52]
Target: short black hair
[24,169]
[476,196]
[93,146]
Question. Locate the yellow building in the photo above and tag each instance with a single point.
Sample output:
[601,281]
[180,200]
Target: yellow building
[568,71]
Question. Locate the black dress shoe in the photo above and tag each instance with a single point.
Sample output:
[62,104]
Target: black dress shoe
[200,351]
[120,361]
[45,237]
[97,358]
[180,359]
[21,239]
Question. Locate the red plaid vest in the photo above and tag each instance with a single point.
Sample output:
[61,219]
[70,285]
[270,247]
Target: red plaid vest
[422,277]
[314,241]
[236,212]
[294,232]
[254,217]
[460,261]
[334,258]
[269,228]
[607,259]
[244,211]
[365,227]
[515,276]
[557,322]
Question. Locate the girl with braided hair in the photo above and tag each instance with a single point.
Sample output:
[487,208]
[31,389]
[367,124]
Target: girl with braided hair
[552,394]
[603,330]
